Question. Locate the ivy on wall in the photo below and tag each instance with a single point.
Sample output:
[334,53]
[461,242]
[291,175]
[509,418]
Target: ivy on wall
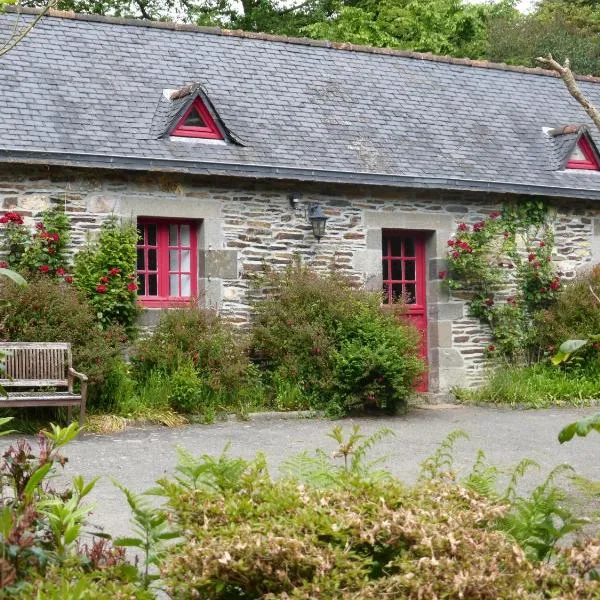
[503,266]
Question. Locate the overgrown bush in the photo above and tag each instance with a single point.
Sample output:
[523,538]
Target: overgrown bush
[48,310]
[105,271]
[205,357]
[574,315]
[335,342]
[337,534]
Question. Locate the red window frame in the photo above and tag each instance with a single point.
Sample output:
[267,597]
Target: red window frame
[590,163]
[162,271]
[210,132]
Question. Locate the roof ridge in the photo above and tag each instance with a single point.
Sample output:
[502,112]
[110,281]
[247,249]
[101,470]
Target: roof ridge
[173,26]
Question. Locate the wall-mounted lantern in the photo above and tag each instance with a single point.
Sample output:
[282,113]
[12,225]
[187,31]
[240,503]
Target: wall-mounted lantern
[313,212]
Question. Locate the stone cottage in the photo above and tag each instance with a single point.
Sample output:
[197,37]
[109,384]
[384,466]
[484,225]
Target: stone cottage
[227,148]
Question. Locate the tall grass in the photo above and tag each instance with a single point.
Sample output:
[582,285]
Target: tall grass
[538,386]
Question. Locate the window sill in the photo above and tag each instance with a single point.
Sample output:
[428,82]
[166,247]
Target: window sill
[165,302]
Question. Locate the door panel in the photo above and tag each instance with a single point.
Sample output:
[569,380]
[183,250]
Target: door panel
[404,278]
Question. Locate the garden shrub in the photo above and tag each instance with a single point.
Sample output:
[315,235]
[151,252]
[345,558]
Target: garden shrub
[48,310]
[203,354]
[354,538]
[105,271]
[574,315]
[318,332]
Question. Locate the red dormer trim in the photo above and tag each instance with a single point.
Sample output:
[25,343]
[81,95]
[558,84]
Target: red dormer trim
[208,129]
[591,161]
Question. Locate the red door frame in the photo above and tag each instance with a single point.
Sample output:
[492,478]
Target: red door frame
[398,259]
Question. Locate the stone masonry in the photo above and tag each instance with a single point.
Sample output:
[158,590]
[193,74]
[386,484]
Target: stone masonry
[245,225]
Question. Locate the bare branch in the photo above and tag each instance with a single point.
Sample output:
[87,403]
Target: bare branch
[17,34]
[594,294]
[567,76]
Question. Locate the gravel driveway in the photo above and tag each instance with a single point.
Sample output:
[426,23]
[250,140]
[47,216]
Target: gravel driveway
[138,457]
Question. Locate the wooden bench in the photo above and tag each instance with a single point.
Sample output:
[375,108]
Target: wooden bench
[31,365]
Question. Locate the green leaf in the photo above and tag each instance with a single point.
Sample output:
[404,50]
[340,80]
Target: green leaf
[129,542]
[35,479]
[13,276]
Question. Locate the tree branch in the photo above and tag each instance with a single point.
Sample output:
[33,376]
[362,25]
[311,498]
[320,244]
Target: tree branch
[17,36]
[567,76]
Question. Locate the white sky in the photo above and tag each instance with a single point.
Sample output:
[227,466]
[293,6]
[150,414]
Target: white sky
[523,5]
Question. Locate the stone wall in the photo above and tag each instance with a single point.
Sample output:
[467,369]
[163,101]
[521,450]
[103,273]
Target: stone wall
[244,225]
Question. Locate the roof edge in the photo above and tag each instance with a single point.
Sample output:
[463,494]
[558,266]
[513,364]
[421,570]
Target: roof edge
[265,172]
[173,26]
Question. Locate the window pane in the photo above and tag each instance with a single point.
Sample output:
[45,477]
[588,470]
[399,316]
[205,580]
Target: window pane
[140,232]
[141,285]
[173,285]
[386,293]
[152,285]
[396,246]
[186,289]
[173,260]
[397,269]
[151,260]
[194,119]
[141,264]
[384,245]
[185,261]
[409,247]
[410,293]
[151,228]
[409,270]
[173,235]
[184,232]
[396,291]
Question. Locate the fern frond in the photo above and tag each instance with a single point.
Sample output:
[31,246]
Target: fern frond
[517,474]
[442,459]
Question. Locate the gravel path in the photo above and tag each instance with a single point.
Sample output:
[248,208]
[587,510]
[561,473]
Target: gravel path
[138,457]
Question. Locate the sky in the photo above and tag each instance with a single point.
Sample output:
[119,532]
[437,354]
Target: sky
[523,5]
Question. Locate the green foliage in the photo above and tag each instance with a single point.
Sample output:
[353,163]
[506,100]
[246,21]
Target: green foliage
[574,315]
[320,533]
[515,248]
[41,250]
[151,529]
[537,386]
[105,271]
[333,342]
[200,339]
[48,310]
[580,428]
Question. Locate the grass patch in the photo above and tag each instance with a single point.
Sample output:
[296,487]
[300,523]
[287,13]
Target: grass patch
[538,386]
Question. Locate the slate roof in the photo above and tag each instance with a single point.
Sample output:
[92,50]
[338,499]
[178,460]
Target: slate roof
[84,90]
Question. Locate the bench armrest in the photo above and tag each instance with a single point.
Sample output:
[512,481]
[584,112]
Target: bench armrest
[74,373]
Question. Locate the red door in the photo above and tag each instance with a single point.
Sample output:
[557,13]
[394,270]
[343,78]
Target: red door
[404,277]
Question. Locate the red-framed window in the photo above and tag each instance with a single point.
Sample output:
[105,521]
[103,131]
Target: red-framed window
[403,268]
[166,261]
[197,122]
[583,156]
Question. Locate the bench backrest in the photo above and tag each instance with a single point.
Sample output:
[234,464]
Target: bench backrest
[35,364]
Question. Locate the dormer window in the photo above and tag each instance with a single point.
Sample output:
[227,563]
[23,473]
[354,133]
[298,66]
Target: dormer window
[583,156]
[197,122]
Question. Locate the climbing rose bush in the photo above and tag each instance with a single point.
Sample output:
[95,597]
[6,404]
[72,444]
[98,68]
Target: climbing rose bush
[105,271]
[41,250]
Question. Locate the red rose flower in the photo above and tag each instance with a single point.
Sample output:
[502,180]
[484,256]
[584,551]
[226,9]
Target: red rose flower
[40,226]
[3,264]
[555,283]
[532,257]
[101,289]
[451,243]
[114,271]
[43,268]
[511,300]
[479,226]
[506,234]
[495,215]
[543,290]
[12,217]
[442,275]
[463,227]
[489,302]
[104,279]
[132,287]
[69,279]
[51,250]
[491,348]
[60,271]
[455,254]
[542,244]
